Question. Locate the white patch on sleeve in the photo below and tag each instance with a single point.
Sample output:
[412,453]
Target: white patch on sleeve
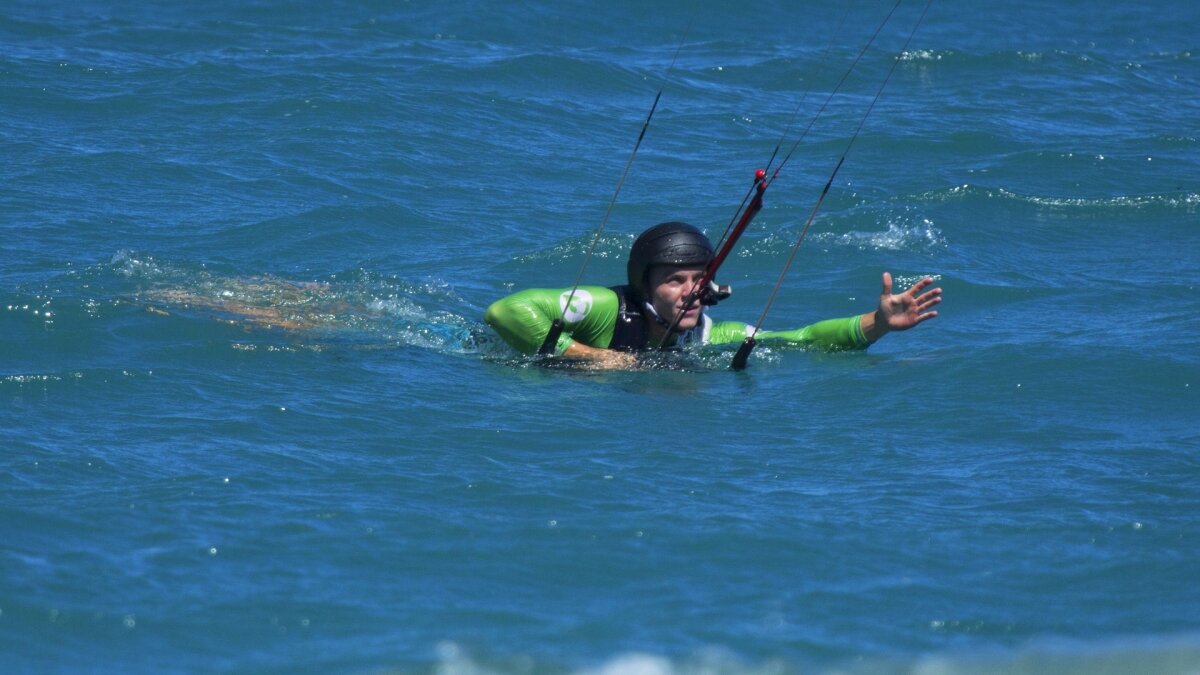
[581,304]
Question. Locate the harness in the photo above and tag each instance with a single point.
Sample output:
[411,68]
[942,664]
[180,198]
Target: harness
[631,333]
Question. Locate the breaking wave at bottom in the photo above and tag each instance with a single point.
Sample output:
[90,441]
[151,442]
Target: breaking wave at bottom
[1165,656]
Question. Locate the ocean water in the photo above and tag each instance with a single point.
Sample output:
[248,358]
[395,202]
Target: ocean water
[251,420]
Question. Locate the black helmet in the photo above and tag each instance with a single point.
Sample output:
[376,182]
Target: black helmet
[673,243]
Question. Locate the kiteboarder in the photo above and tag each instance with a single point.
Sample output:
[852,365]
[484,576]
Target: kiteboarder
[606,327]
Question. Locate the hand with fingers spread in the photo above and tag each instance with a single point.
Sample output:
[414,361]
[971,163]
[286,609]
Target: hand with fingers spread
[901,311]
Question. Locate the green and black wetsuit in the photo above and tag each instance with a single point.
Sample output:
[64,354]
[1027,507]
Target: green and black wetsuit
[609,318]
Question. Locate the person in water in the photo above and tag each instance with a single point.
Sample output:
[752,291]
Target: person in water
[607,326]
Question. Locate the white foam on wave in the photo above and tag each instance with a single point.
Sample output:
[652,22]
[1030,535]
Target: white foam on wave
[924,55]
[1168,655]
[1189,200]
[130,264]
[39,377]
[634,664]
[897,237]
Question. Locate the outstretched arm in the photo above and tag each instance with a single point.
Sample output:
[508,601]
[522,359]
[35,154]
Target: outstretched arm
[901,311]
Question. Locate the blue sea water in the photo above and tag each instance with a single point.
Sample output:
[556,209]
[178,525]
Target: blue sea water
[251,419]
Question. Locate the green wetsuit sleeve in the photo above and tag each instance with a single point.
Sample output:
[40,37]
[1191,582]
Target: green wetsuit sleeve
[523,319]
[832,334]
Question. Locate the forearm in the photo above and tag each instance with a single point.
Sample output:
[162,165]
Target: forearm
[832,334]
[600,358]
[873,326]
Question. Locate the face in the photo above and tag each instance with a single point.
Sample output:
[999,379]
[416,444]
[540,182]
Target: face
[669,288]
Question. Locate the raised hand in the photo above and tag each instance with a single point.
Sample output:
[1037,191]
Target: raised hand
[900,311]
[905,310]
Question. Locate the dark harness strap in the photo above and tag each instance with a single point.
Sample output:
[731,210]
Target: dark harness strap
[630,334]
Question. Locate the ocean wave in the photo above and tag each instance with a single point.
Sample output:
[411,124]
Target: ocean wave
[1124,201]
[1164,655]
[898,235]
[925,54]
[922,235]
[1188,200]
[609,246]
[34,378]
[1017,60]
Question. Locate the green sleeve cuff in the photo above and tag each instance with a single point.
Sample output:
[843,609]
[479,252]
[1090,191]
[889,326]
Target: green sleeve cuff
[564,341]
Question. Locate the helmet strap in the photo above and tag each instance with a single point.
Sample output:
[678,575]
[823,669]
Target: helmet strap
[654,313]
